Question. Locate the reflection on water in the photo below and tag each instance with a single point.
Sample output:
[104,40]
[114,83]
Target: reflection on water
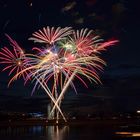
[56,133]
[128,134]
[130,131]
[76,132]
[35,132]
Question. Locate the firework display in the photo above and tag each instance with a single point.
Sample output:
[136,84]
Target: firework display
[13,59]
[66,54]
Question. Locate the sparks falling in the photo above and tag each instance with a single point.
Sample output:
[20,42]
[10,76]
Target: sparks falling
[67,54]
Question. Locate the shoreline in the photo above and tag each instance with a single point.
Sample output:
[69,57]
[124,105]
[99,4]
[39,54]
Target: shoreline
[68,123]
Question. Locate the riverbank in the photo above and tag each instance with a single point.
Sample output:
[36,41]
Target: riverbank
[37,122]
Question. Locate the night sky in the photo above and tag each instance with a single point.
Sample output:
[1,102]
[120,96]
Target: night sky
[117,19]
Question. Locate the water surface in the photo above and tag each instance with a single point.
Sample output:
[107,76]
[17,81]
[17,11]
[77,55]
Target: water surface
[76,132]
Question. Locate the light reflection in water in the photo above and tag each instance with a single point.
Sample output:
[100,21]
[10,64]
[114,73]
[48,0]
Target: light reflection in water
[72,132]
[57,133]
[42,132]
[129,134]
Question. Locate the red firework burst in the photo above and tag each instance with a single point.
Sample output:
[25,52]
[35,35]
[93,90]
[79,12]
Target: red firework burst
[13,58]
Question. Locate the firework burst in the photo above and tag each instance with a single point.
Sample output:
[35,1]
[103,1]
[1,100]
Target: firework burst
[13,59]
[67,54]
[51,35]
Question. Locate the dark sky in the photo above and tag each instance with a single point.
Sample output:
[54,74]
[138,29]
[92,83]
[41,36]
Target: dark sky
[110,18]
